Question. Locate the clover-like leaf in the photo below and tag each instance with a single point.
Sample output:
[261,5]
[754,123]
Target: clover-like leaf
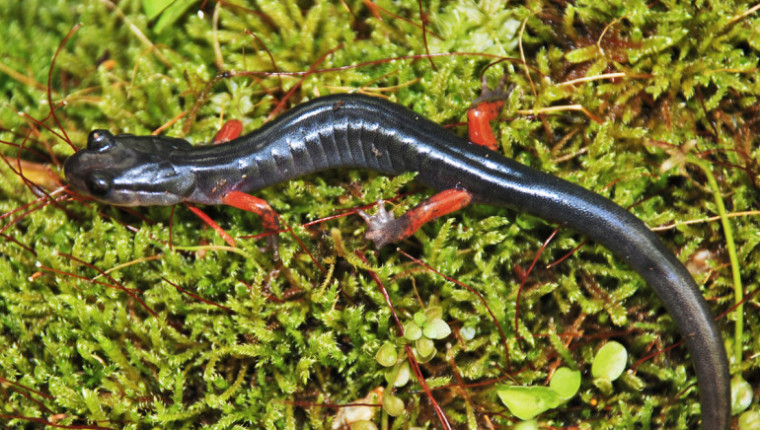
[749,420]
[419,318]
[387,355]
[412,331]
[363,425]
[565,382]
[524,425]
[433,312]
[398,375]
[425,349]
[527,402]
[393,405]
[741,395]
[436,329]
[610,361]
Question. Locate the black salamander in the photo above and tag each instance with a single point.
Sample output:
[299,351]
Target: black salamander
[355,131]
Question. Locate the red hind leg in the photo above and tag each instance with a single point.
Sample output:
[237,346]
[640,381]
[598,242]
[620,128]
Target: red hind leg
[383,228]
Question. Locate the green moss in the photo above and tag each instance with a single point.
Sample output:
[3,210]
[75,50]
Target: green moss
[270,346]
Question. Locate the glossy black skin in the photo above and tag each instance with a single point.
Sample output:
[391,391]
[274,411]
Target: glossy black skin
[354,131]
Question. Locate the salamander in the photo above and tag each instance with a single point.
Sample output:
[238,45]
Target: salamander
[356,131]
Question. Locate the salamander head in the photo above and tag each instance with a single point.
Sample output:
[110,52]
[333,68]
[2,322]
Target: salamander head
[128,170]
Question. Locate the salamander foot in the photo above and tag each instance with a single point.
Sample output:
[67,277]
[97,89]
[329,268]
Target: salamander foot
[383,228]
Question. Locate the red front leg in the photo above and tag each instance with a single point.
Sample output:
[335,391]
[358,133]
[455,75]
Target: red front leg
[383,228]
[230,130]
[269,218]
[485,109]
[479,123]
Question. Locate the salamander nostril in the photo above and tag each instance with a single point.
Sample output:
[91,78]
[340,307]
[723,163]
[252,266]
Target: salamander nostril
[99,183]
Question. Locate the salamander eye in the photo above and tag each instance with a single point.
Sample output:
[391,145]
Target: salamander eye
[99,140]
[99,183]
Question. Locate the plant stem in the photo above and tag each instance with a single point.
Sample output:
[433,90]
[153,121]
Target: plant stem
[731,247]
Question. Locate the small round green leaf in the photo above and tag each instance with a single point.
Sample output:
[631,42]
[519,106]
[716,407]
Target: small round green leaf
[565,382]
[527,402]
[604,385]
[524,425]
[412,331]
[433,312]
[419,318]
[393,405]
[363,425]
[610,361]
[749,420]
[468,333]
[741,395]
[425,349]
[436,329]
[402,375]
[387,355]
